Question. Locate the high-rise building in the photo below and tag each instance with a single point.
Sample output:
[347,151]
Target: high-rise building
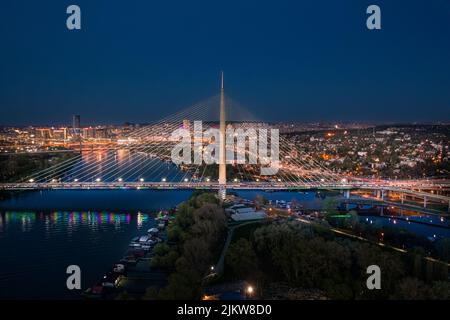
[76,122]
[186,124]
[88,133]
[59,134]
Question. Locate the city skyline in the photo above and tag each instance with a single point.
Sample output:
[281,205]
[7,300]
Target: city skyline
[224,150]
[302,61]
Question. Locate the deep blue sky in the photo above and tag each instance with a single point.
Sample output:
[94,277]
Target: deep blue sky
[285,60]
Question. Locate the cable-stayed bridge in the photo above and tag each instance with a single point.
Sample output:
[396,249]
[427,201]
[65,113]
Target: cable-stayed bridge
[142,160]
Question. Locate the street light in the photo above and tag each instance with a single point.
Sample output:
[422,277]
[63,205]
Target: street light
[185,179]
[163,179]
[31,180]
[75,180]
[249,290]
[120,179]
[98,180]
[141,179]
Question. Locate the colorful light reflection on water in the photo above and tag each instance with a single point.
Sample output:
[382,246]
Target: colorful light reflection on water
[71,218]
[37,247]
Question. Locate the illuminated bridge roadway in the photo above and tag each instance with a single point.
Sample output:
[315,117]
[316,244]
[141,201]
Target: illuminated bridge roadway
[413,189]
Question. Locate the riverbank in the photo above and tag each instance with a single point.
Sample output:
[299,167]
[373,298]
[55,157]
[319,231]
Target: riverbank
[131,275]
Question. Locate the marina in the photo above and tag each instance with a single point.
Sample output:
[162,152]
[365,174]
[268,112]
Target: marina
[134,266]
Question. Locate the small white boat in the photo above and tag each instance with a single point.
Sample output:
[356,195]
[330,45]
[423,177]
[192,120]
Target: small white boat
[107,284]
[119,268]
[153,230]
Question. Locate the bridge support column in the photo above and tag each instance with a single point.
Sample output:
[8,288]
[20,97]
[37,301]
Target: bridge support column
[222,193]
[402,197]
[449,206]
[424,202]
[382,195]
[347,194]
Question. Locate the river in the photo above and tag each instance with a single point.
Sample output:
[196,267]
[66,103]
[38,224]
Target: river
[43,232]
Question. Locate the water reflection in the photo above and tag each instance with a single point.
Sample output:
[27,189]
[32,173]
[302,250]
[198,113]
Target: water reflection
[109,165]
[72,219]
[45,243]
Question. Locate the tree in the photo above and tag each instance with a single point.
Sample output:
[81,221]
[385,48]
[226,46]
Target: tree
[151,293]
[209,222]
[175,233]
[259,201]
[330,207]
[164,256]
[197,254]
[353,221]
[204,198]
[429,270]
[241,258]
[184,284]
[184,218]
[179,288]
[198,226]
[391,266]
[411,289]
[440,290]
[124,295]
[443,249]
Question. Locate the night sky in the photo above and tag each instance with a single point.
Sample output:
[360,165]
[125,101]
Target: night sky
[297,60]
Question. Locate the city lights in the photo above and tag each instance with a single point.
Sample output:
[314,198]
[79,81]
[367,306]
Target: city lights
[314,178]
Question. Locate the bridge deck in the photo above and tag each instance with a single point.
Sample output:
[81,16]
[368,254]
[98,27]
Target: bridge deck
[216,186]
